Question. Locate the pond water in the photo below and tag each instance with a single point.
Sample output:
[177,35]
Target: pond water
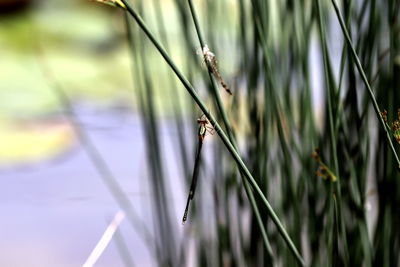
[54,213]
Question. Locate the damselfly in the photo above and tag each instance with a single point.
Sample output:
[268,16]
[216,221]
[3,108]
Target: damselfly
[212,64]
[203,129]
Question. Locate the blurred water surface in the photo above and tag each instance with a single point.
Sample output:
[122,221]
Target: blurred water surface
[54,213]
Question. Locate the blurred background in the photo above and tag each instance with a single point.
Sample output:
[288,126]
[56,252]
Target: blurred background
[93,123]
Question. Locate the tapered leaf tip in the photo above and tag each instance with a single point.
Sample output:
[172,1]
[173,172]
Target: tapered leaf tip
[115,3]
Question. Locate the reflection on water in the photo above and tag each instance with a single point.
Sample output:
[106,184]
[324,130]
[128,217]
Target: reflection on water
[53,214]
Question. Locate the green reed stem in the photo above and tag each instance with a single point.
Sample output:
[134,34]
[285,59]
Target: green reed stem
[333,137]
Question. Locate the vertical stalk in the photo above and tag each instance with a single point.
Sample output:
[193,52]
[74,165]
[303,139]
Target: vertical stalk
[333,137]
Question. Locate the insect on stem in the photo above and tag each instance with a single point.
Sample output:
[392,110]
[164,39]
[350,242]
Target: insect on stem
[212,65]
[202,131]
